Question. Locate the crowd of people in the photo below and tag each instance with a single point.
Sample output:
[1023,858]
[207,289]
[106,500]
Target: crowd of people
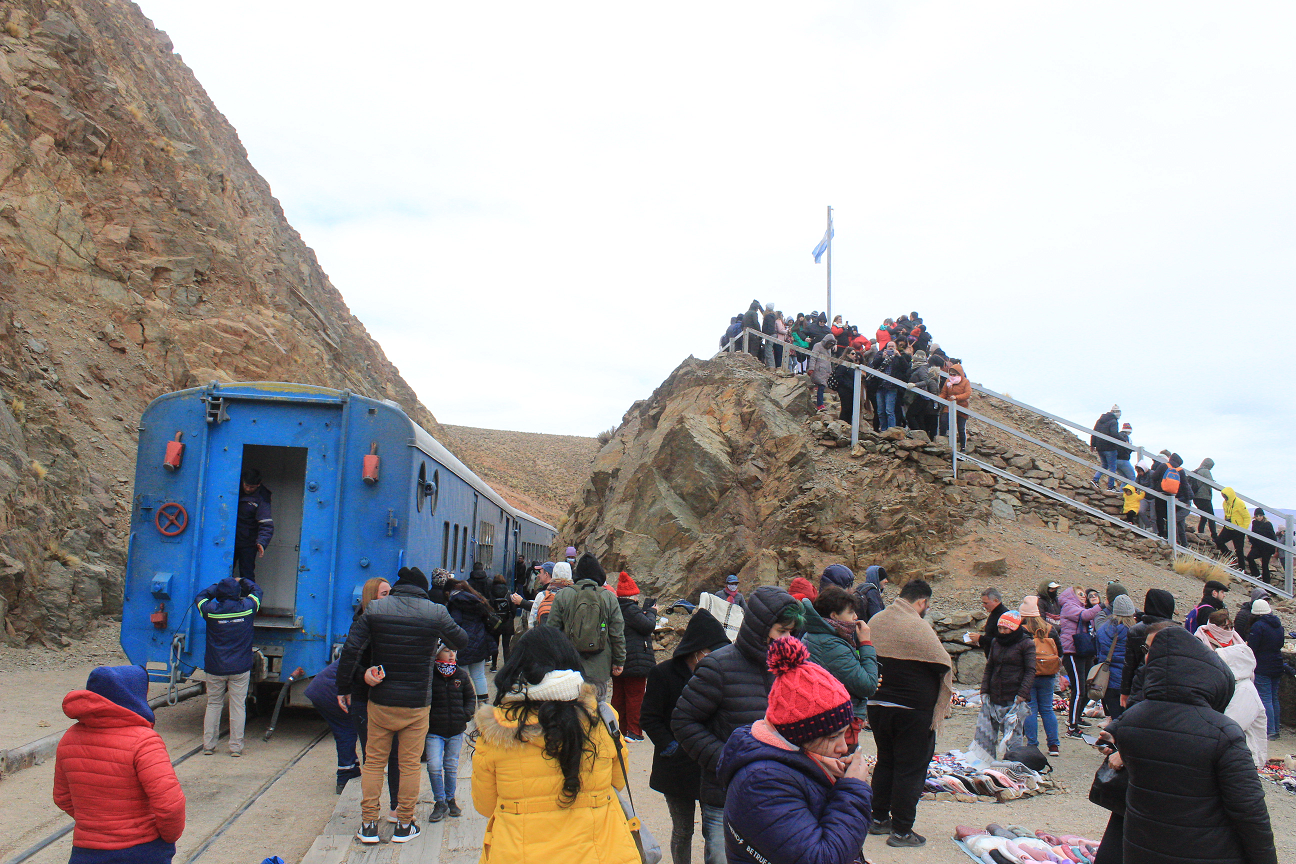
[758,738]
[900,348]
[1190,490]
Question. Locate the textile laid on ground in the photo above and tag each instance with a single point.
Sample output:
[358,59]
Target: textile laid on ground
[1277,771]
[996,727]
[956,776]
[1019,845]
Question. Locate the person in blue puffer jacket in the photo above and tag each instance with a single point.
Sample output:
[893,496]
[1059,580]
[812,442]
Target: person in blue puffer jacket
[869,593]
[796,793]
[1266,640]
[1114,632]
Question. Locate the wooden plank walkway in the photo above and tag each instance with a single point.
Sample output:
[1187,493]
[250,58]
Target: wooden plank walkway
[450,841]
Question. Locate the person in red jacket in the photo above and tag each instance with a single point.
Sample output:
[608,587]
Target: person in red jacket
[113,776]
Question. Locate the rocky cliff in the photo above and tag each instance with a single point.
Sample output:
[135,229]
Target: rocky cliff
[140,252]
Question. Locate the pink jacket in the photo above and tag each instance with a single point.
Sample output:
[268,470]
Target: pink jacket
[1073,612]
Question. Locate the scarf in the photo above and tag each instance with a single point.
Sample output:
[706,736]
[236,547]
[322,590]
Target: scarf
[1216,637]
[763,731]
[901,633]
[845,629]
[446,669]
[731,595]
[1010,638]
[560,685]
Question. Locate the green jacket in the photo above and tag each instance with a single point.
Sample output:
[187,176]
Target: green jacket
[856,669]
[598,667]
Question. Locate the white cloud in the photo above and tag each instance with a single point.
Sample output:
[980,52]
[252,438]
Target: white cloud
[1087,203]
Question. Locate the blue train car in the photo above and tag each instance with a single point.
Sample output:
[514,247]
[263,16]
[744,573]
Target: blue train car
[340,518]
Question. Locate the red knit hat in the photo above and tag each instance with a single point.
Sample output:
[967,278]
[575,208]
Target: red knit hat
[626,586]
[806,701]
[803,589]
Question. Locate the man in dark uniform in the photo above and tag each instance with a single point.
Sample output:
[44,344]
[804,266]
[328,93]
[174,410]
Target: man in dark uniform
[255,526]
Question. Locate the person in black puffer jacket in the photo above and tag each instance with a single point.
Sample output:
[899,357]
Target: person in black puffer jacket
[479,580]
[453,704]
[730,688]
[1158,605]
[628,687]
[403,631]
[501,602]
[674,773]
[1192,784]
[472,612]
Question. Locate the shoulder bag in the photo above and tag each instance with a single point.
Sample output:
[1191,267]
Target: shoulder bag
[1100,675]
[649,849]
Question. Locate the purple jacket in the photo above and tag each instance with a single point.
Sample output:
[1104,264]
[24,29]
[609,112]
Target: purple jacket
[782,805]
[1073,612]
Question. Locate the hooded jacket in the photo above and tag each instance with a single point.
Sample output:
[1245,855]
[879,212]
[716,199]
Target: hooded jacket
[673,771]
[589,574]
[1132,498]
[1158,605]
[1264,528]
[960,392]
[869,593]
[1192,781]
[784,806]
[1010,669]
[517,786]
[1049,605]
[479,580]
[1266,640]
[821,360]
[1074,617]
[403,632]
[453,702]
[639,627]
[855,668]
[1203,491]
[730,688]
[1246,708]
[1235,509]
[229,609]
[837,574]
[112,773]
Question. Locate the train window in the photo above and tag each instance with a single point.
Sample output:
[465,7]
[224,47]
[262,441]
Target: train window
[463,560]
[433,491]
[454,557]
[418,490]
[445,544]
[486,545]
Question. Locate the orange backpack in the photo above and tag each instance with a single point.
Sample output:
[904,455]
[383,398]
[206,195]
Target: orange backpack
[1047,661]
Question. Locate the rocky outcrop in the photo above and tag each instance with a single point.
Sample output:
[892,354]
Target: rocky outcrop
[140,252]
[719,472]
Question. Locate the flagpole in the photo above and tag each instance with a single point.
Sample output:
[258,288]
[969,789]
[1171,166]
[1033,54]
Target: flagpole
[830,233]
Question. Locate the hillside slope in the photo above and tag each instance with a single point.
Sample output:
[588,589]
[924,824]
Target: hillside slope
[538,473]
[140,252]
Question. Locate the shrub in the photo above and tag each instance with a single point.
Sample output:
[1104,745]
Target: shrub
[1216,568]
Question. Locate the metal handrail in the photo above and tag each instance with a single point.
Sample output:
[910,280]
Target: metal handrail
[1288,545]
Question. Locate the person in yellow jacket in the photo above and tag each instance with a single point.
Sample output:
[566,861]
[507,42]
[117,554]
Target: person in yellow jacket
[545,767]
[1235,513]
[1133,500]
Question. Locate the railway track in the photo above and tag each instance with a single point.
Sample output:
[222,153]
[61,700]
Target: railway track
[217,786]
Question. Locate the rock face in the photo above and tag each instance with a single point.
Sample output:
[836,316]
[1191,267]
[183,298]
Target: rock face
[720,472]
[140,252]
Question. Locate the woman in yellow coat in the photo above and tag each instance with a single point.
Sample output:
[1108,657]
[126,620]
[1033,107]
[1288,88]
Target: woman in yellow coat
[545,767]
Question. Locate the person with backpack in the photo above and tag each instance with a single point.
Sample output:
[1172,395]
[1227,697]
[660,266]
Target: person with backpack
[561,577]
[628,687]
[1112,636]
[591,617]
[1048,662]
[502,605]
[1108,424]
[1077,653]
[868,596]
[1236,516]
[1167,478]
[472,612]
[1212,598]
[675,774]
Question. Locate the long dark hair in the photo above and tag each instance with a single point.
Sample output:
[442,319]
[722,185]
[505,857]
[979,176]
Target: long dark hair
[566,726]
[460,585]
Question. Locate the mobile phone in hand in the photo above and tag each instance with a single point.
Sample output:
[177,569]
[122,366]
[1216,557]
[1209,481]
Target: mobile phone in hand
[649,602]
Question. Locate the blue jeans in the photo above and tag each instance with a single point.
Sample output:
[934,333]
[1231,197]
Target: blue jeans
[1126,470]
[886,406]
[819,391]
[1268,687]
[477,672]
[713,835]
[1041,705]
[1108,459]
[443,765]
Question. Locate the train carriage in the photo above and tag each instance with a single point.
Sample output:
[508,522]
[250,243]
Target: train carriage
[357,490]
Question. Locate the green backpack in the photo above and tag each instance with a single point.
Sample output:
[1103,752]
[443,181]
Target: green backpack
[587,627]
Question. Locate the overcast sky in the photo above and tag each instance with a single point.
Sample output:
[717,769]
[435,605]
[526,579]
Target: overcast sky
[1088,203]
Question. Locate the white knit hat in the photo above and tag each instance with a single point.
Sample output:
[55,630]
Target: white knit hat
[1261,607]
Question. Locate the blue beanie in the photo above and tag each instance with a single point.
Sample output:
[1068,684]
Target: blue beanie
[126,686]
[548,567]
[837,574]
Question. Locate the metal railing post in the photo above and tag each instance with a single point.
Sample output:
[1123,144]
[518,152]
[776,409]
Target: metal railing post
[1287,555]
[746,335]
[953,435]
[855,409]
[1171,525]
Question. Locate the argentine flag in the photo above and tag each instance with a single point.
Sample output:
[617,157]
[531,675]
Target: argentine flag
[823,245]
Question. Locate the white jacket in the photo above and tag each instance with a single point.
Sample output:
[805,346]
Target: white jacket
[1246,709]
